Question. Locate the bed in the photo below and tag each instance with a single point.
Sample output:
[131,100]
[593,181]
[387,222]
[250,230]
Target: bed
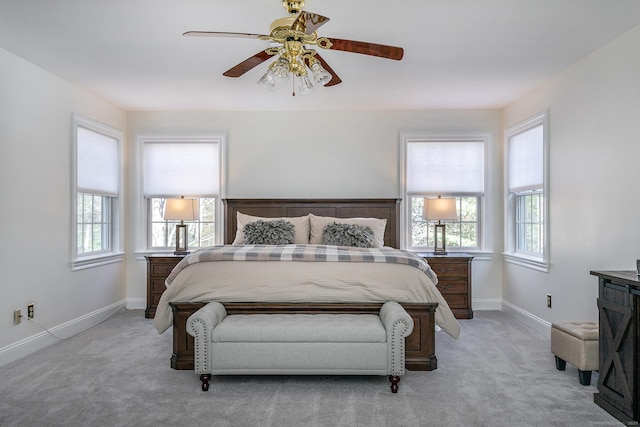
[188,285]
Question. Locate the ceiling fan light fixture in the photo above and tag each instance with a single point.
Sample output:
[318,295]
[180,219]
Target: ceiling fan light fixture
[280,70]
[305,86]
[268,81]
[320,75]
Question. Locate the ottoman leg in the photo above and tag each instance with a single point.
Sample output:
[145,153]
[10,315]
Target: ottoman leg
[205,381]
[585,377]
[394,383]
[562,364]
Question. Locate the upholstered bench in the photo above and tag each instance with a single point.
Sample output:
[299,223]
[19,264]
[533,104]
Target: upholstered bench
[303,344]
[576,343]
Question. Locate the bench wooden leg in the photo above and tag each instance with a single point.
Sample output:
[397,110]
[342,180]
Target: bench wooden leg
[560,364]
[394,383]
[205,381]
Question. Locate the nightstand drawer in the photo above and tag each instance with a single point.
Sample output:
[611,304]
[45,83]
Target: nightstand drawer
[456,300]
[161,270]
[157,285]
[155,299]
[452,286]
[444,269]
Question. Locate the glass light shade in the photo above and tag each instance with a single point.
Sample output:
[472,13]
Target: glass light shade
[268,81]
[440,209]
[305,86]
[280,70]
[320,75]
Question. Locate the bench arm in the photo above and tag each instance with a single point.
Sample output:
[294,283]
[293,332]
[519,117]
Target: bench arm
[200,325]
[398,325]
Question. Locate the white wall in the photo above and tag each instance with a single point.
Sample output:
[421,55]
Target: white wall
[594,201]
[35,165]
[323,154]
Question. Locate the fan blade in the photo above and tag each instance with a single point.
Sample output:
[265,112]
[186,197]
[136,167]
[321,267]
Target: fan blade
[308,22]
[383,51]
[221,34]
[334,77]
[247,64]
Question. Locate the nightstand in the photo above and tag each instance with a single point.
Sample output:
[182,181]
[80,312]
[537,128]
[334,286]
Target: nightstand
[454,280]
[158,268]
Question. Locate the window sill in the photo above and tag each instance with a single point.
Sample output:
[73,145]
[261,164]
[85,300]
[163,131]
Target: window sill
[526,261]
[96,261]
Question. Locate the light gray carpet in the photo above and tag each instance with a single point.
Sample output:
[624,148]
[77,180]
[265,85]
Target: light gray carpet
[498,373]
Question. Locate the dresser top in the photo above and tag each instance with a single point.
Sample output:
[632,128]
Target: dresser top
[630,276]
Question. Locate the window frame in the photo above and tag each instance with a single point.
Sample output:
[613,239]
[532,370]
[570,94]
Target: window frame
[513,255]
[142,204]
[115,252]
[406,207]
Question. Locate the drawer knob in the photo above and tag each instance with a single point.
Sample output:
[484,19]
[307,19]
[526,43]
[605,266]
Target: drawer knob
[444,287]
[444,270]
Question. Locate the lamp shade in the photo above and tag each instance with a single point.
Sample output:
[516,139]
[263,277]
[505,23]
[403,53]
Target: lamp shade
[182,209]
[440,209]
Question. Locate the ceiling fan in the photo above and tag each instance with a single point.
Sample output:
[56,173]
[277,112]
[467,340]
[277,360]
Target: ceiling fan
[290,38]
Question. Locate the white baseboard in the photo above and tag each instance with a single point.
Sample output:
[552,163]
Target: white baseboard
[527,318]
[66,330]
[487,304]
[136,303]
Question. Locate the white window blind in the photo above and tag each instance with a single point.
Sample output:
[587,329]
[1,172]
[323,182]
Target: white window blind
[189,169]
[97,163]
[445,167]
[526,169]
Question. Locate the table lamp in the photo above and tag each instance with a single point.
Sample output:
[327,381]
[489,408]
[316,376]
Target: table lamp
[440,209]
[183,210]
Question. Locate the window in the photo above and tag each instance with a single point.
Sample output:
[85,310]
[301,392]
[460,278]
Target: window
[449,166]
[461,233]
[97,188]
[173,167]
[201,233]
[526,161]
[529,222]
[94,224]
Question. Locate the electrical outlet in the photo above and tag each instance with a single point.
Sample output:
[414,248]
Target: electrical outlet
[17,317]
[30,311]
[548,300]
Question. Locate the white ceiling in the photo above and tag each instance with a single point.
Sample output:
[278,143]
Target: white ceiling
[458,53]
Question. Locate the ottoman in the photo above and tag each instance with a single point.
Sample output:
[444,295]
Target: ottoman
[578,344]
[299,344]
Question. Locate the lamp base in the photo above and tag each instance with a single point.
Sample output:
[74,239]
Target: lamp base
[181,240]
[440,237]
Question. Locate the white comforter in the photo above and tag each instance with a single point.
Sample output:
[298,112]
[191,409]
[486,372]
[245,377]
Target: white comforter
[296,281]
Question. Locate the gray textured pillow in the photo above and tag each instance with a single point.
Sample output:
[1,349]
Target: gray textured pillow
[277,232]
[348,235]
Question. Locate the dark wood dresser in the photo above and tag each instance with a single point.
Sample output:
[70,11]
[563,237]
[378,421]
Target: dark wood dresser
[618,304]
[158,268]
[454,281]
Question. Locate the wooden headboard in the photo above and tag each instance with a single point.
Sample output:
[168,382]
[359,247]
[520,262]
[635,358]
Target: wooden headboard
[388,209]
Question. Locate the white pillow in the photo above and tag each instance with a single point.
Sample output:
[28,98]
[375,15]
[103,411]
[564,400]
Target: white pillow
[300,223]
[318,223]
